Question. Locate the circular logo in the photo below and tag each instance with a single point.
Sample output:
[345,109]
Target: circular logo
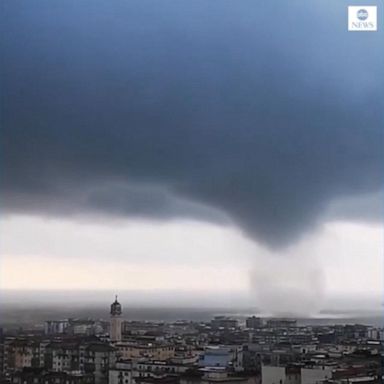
[362,14]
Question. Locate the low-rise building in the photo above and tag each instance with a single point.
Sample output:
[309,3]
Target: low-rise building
[156,351]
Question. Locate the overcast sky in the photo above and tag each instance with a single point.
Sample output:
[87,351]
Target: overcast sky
[214,147]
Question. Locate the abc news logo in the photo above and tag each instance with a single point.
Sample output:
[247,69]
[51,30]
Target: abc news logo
[362,18]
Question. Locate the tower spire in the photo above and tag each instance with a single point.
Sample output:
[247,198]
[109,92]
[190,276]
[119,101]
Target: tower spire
[115,323]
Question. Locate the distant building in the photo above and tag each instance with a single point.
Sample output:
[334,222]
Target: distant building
[53,327]
[100,359]
[222,356]
[281,323]
[121,373]
[224,322]
[157,351]
[95,358]
[214,375]
[41,376]
[280,375]
[252,358]
[23,352]
[115,324]
[316,374]
[135,371]
[253,322]
[295,374]
[73,327]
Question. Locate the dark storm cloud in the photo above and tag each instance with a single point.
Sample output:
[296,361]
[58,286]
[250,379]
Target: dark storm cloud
[264,112]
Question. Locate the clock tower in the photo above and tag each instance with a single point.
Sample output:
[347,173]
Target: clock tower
[115,323]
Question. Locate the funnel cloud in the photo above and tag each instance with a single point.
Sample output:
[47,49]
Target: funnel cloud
[188,110]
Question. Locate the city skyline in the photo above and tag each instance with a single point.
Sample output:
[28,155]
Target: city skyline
[192,147]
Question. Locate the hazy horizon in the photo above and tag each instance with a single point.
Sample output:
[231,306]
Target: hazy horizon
[176,299]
